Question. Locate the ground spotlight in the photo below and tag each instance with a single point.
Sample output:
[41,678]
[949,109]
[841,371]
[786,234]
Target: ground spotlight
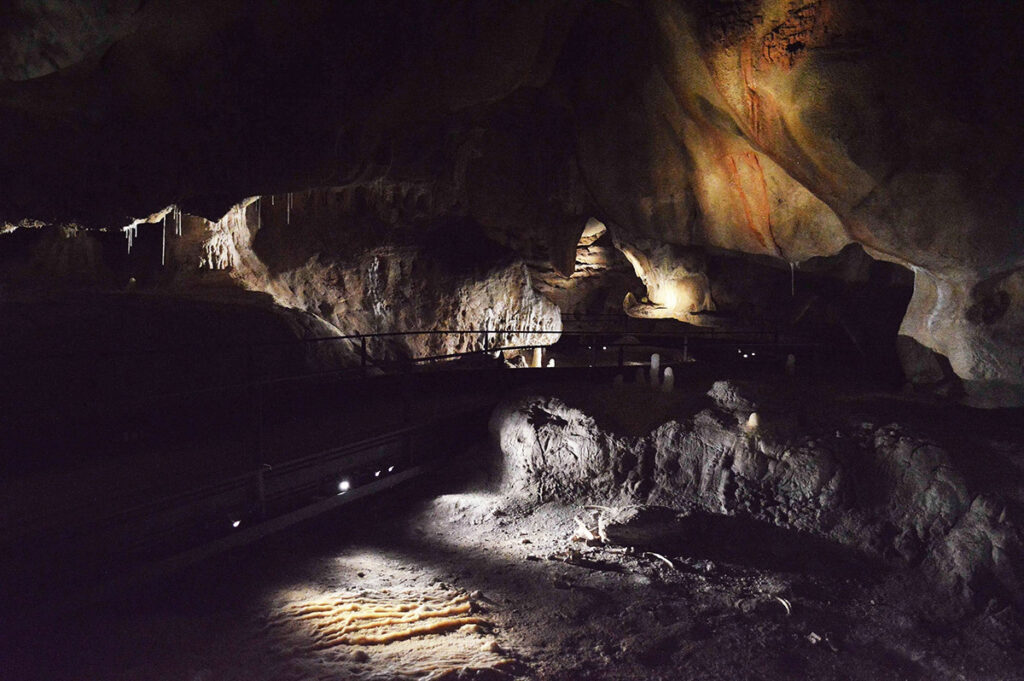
[344,486]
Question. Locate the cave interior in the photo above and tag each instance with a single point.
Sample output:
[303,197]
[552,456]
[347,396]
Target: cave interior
[572,339]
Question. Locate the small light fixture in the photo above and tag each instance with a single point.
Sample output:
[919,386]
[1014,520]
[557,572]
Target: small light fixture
[236,523]
[344,486]
[377,474]
[391,469]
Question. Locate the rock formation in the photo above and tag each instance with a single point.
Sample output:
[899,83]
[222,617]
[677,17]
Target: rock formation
[828,468]
[354,272]
[769,127]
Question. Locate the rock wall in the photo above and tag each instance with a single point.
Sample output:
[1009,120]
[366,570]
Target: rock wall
[776,128]
[364,275]
[881,487]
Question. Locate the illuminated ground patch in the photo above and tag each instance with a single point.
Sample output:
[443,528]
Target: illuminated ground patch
[392,633]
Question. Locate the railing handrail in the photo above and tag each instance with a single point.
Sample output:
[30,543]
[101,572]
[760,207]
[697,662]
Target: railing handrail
[238,480]
[253,345]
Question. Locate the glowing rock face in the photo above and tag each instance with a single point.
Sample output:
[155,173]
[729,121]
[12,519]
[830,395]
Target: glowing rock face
[366,284]
[677,286]
[592,231]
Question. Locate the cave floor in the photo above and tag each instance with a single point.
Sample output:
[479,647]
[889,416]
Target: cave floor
[471,585]
[541,606]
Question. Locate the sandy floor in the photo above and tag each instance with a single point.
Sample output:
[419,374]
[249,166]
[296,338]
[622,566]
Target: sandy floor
[537,610]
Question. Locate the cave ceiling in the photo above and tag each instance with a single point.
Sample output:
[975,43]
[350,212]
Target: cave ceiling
[778,128]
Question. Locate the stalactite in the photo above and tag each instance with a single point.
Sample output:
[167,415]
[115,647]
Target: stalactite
[130,232]
[288,219]
[163,242]
[792,279]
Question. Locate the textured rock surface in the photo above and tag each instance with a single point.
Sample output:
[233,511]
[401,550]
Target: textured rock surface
[369,276]
[640,526]
[675,278]
[356,273]
[879,487]
[771,127]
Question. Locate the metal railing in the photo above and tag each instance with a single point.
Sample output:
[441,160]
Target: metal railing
[255,362]
[255,382]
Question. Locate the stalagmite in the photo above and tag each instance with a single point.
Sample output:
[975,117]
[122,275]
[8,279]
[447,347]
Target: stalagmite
[538,358]
[753,421]
[670,381]
[640,376]
[655,369]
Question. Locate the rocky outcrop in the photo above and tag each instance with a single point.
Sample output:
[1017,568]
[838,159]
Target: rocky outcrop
[975,324]
[675,278]
[362,270]
[347,257]
[876,486]
[366,276]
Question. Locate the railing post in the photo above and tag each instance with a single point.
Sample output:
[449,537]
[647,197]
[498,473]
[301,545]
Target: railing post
[261,488]
[362,354]
[257,395]
[485,341]
[256,402]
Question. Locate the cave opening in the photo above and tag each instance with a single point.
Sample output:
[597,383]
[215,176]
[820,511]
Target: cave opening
[493,340]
